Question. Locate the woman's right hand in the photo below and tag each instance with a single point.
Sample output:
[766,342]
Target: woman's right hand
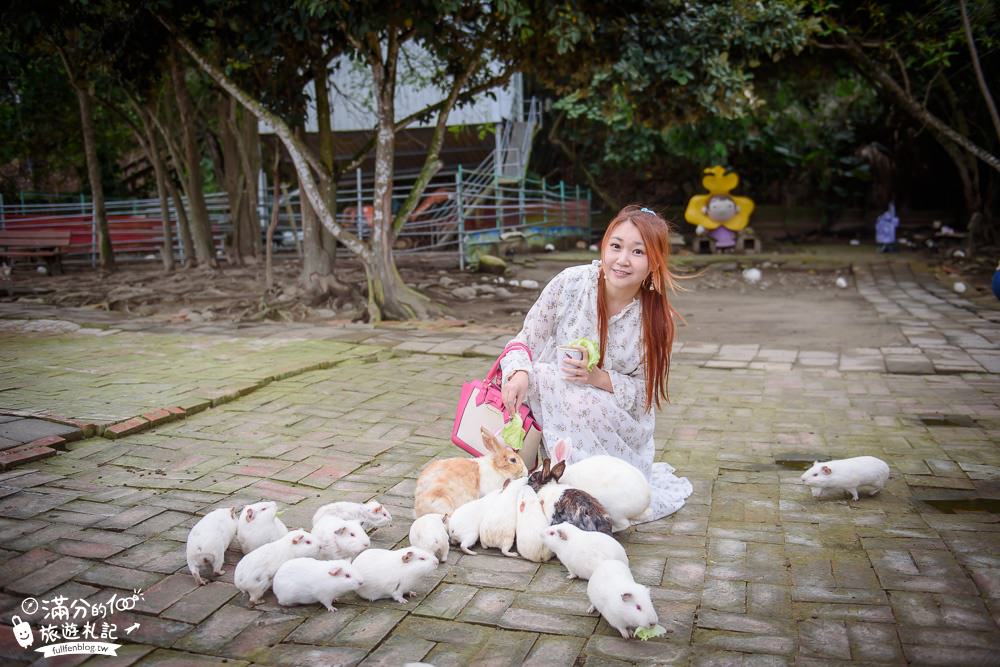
[514,391]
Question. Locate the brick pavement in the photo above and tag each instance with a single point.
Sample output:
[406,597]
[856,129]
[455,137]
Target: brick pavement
[752,570]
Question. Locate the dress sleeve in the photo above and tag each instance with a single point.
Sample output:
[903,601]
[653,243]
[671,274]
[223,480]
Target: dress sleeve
[629,390]
[539,327]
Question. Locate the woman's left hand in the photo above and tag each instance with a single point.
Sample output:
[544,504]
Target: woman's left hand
[575,370]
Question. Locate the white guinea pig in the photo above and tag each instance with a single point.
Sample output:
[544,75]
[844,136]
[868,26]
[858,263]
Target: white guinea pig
[850,475]
[392,574]
[618,485]
[371,514]
[258,525]
[340,538]
[430,533]
[531,521]
[581,551]
[207,543]
[499,525]
[464,522]
[624,604]
[255,571]
[307,580]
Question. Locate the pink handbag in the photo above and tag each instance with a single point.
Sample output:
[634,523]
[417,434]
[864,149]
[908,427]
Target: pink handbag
[481,405]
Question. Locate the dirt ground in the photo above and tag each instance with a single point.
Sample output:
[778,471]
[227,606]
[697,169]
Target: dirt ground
[796,304]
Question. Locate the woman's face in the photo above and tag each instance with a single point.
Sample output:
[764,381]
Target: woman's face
[624,260]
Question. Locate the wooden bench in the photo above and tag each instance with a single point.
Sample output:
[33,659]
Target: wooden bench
[48,244]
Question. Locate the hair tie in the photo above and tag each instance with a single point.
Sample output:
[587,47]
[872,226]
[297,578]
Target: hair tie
[646,210]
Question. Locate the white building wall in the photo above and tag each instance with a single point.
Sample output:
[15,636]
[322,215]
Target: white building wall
[353,104]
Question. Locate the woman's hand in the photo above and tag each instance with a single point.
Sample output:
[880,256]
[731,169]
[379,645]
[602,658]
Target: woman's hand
[514,391]
[575,370]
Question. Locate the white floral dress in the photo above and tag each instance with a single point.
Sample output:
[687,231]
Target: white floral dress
[596,421]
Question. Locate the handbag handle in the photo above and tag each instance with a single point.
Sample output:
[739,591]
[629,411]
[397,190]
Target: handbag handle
[495,369]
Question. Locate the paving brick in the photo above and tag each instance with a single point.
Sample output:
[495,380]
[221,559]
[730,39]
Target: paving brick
[267,630]
[118,577]
[369,627]
[51,575]
[218,630]
[874,642]
[446,601]
[164,593]
[487,606]
[554,651]
[396,651]
[130,517]
[126,427]
[200,603]
[547,622]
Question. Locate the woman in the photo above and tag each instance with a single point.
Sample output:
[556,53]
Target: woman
[621,302]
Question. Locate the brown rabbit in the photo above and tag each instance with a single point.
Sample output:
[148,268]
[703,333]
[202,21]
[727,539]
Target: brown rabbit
[447,484]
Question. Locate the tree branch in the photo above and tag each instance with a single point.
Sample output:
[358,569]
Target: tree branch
[874,71]
[983,88]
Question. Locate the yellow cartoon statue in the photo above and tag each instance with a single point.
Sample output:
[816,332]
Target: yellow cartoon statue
[719,212]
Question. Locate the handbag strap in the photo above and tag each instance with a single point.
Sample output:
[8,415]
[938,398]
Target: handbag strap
[495,369]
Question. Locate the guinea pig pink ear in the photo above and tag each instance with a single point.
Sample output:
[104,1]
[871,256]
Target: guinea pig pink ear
[522,506]
[506,482]
[377,509]
[444,519]
[234,512]
[249,515]
[408,556]
[336,572]
[562,535]
[297,539]
[827,470]
[341,531]
[626,597]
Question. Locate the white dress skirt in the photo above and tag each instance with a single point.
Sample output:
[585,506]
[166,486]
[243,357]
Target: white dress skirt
[595,421]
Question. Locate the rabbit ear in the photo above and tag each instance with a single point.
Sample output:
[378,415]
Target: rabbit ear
[558,470]
[489,440]
[545,468]
[562,449]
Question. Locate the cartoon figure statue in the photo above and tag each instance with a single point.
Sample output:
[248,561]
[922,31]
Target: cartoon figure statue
[719,212]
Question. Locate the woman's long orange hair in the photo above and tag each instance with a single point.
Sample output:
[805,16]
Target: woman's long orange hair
[657,313]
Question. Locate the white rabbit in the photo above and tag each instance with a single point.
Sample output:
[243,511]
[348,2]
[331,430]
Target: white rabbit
[340,538]
[531,521]
[464,522]
[307,580]
[617,484]
[258,525]
[499,525]
[372,514]
[207,543]
[392,574]
[850,475]
[581,551]
[624,604]
[255,571]
[430,533]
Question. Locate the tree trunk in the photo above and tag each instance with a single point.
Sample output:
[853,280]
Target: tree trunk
[248,147]
[968,170]
[229,172]
[388,295]
[273,224]
[201,231]
[160,172]
[320,247]
[84,98]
